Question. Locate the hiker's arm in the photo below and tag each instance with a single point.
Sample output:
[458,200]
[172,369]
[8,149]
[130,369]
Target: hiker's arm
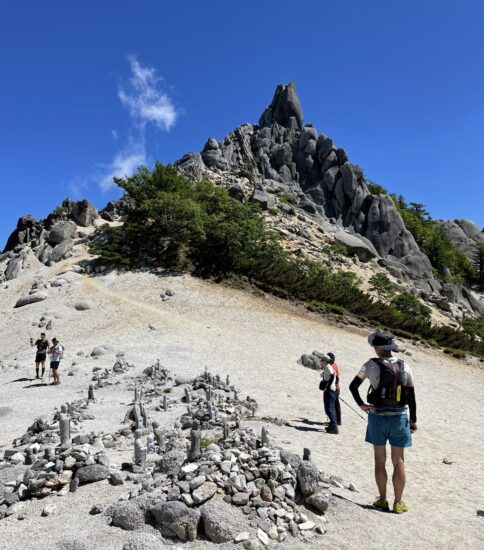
[412,406]
[330,381]
[355,384]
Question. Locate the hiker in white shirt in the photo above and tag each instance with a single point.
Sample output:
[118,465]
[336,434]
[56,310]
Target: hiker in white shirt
[56,352]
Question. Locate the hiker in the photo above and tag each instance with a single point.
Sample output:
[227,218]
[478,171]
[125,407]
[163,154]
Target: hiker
[328,385]
[56,354]
[337,404]
[42,345]
[391,391]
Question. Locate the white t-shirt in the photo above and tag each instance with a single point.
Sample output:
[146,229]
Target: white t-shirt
[57,353]
[328,371]
[371,370]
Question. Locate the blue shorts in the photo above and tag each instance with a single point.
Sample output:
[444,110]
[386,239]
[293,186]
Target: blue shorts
[393,428]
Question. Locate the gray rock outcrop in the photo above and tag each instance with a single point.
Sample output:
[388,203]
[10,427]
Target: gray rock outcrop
[283,155]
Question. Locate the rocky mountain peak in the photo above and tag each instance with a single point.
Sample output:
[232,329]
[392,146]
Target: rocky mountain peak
[285,108]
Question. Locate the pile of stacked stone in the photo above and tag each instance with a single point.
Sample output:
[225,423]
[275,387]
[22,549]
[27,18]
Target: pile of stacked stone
[154,380]
[276,493]
[41,468]
[102,376]
[46,433]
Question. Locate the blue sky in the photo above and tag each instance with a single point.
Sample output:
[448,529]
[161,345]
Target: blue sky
[88,89]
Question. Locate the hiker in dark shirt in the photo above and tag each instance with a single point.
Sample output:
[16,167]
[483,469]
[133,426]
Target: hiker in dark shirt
[42,345]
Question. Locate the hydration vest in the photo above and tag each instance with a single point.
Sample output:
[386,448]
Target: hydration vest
[391,391]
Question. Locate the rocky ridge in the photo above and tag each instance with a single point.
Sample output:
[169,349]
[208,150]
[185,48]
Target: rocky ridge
[313,196]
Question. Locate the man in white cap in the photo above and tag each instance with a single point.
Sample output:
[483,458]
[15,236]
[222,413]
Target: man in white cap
[391,393]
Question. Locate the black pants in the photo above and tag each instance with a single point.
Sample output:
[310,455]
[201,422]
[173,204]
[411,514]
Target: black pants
[337,408]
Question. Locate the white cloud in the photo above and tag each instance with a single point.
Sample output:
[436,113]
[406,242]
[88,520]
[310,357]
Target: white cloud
[115,135]
[78,187]
[145,98]
[124,163]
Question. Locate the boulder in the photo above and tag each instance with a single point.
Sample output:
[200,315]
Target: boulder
[14,268]
[103,349]
[84,213]
[60,250]
[27,229]
[61,232]
[356,245]
[170,462]
[218,521]
[31,299]
[204,492]
[265,200]
[320,499]
[92,474]
[128,516]
[177,518]
[308,478]
[82,306]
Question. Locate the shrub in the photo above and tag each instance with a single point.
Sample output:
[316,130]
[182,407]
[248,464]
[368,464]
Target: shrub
[457,353]
[411,306]
[382,286]
[289,199]
[335,249]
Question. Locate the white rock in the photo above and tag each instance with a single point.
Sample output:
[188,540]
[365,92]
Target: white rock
[245,535]
[263,537]
[307,526]
[17,458]
[190,468]
[49,510]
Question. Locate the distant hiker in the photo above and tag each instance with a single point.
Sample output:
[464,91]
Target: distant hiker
[391,390]
[328,385]
[337,404]
[56,354]
[42,345]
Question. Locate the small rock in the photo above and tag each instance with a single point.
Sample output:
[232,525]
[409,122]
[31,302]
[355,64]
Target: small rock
[447,460]
[82,306]
[307,526]
[251,545]
[241,537]
[262,536]
[204,492]
[49,510]
[240,499]
[115,478]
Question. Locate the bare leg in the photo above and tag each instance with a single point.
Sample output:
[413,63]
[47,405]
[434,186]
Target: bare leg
[381,477]
[43,368]
[398,477]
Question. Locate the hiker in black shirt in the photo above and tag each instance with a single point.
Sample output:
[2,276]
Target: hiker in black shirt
[42,345]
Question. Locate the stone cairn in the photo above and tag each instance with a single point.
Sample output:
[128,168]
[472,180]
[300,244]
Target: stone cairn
[57,462]
[279,493]
[103,376]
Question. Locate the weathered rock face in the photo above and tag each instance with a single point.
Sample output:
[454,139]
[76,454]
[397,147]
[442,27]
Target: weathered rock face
[464,234]
[283,156]
[49,240]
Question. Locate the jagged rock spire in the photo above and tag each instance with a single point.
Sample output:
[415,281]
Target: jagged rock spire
[285,105]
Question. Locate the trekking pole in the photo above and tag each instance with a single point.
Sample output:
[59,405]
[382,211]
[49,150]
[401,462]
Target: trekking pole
[349,406]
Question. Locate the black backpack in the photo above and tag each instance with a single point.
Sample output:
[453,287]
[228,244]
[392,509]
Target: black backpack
[391,391]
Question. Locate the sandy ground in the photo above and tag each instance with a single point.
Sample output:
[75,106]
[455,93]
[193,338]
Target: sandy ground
[257,341]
